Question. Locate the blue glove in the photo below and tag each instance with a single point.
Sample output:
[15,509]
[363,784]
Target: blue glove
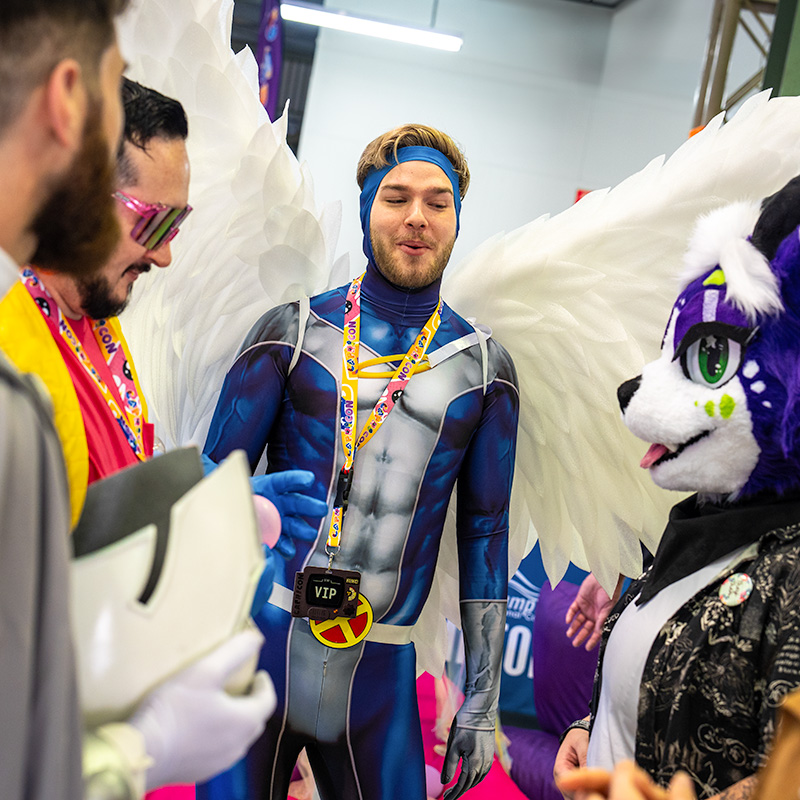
[286,491]
[264,588]
[208,465]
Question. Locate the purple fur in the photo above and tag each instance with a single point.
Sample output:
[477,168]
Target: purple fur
[690,302]
[776,349]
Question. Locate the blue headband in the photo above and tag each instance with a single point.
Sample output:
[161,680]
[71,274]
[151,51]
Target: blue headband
[375,176]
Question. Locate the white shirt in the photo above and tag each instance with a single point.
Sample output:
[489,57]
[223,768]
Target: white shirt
[613,736]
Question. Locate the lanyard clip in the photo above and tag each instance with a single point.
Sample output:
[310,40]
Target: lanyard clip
[331,552]
[343,486]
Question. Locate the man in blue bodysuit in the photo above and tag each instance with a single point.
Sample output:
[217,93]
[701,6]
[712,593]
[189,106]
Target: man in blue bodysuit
[443,410]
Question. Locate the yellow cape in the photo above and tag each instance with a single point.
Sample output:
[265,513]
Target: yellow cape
[26,339]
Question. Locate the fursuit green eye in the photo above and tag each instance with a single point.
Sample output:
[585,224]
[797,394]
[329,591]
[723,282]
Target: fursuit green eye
[711,360]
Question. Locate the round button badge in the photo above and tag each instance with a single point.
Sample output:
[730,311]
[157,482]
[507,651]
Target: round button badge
[736,589]
[341,632]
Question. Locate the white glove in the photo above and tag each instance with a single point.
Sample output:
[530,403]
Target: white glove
[193,729]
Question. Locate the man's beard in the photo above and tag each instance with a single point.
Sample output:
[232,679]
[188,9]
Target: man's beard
[77,228]
[388,262]
[97,300]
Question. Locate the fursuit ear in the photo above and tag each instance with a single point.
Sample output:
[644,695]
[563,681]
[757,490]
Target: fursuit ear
[775,235]
[780,215]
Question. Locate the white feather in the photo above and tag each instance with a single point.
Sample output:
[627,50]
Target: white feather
[581,300]
[720,239]
[256,237]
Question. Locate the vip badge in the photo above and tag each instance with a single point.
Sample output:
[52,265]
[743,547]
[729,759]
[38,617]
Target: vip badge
[322,594]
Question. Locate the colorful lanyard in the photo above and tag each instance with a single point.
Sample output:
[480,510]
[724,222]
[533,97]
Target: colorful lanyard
[349,401]
[129,417]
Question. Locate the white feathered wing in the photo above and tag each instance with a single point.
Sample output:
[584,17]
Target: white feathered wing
[255,238]
[581,300]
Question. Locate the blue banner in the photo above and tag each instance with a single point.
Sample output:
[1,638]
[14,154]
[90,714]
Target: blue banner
[517,705]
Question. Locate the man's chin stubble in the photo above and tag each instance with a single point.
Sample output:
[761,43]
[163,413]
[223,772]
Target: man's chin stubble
[97,301]
[410,279]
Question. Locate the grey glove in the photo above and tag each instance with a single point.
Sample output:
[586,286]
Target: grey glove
[472,733]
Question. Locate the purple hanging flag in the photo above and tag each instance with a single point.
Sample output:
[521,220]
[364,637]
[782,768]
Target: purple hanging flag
[270,55]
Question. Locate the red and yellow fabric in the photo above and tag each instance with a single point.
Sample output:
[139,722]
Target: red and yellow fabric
[26,338]
[109,443]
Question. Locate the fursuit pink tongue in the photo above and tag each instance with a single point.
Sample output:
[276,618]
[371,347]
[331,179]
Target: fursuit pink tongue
[652,455]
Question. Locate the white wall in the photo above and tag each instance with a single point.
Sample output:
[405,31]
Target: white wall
[546,97]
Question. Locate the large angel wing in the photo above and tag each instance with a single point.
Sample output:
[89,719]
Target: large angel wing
[255,238]
[581,301]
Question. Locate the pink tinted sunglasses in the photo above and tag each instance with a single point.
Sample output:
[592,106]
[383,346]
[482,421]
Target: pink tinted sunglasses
[158,223]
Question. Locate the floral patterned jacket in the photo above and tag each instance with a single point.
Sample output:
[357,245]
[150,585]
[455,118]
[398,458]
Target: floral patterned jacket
[716,674]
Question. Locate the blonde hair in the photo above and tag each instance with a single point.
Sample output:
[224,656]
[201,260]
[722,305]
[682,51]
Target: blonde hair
[383,150]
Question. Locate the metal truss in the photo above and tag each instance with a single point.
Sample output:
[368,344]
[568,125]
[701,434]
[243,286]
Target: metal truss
[728,19]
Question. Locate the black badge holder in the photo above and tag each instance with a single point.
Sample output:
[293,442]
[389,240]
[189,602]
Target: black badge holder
[321,593]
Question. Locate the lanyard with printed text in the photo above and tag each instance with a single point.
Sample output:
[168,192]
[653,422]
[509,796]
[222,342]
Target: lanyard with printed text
[129,414]
[349,399]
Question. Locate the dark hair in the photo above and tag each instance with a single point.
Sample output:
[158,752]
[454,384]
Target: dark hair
[148,115]
[35,35]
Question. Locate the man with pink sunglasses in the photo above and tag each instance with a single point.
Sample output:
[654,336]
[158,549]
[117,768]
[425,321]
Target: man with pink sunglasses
[100,411]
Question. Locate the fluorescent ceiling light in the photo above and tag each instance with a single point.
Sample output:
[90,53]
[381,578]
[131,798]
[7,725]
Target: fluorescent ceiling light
[310,14]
